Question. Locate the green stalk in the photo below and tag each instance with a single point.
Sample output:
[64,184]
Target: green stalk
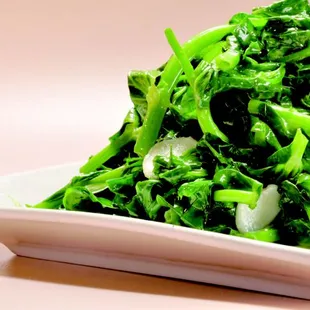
[108,152]
[181,56]
[267,235]
[300,55]
[204,116]
[228,60]
[254,106]
[207,124]
[158,102]
[213,51]
[173,69]
[171,217]
[94,185]
[52,202]
[99,183]
[299,145]
[293,119]
[234,195]
[191,48]
[307,209]
[196,174]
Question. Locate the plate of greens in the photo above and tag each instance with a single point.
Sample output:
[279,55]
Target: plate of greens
[208,177]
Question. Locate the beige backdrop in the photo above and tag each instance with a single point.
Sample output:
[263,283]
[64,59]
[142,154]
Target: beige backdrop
[63,66]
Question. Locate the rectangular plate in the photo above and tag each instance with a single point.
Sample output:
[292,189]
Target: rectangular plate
[142,246]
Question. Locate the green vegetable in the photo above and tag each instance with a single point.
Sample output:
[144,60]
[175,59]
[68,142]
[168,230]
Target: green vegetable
[266,235]
[215,133]
[158,97]
[284,121]
[262,135]
[125,135]
[79,198]
[288,159]
[237,187]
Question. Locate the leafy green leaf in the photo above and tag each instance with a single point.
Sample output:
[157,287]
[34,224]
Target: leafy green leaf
[80,199]
[288,160]
[198,192]
[146,193]
[139,84]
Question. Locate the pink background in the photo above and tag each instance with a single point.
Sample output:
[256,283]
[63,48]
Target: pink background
[63,67]
[63,91]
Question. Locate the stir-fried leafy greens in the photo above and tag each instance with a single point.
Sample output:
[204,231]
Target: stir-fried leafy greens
[241,93]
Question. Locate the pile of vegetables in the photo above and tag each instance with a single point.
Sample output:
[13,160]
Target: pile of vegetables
[218,136]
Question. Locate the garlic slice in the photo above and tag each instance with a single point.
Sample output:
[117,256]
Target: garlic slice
[178,146]
[266,210]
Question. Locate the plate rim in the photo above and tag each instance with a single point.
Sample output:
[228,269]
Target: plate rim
[273,250]
[153,228]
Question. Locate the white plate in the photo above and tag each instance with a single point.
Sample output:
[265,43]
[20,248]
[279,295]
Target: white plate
[142,246]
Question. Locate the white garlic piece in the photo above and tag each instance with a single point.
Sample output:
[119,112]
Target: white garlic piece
[266,210]
[177,146]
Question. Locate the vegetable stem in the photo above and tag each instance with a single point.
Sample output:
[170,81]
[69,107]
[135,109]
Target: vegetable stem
[158,102]
[105,154]
[300,55]
[228,60]
[99,183]
[182,57]
[204,114]
[234,195]
[290,119]
[125,135]
[173,69]
[191,48]
[266,235]
[299,145]
[94,185]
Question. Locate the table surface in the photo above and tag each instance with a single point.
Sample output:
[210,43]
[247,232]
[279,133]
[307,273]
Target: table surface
[32,284]
[62,87]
